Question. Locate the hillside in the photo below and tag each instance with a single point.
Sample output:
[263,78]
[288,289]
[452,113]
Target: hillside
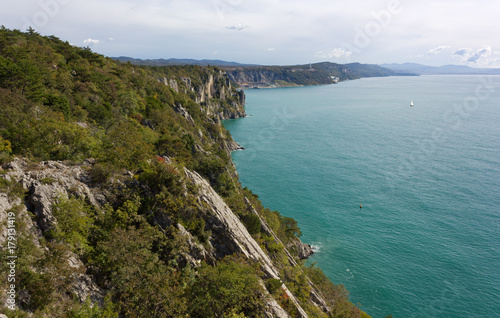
[259,76]
[304,75]
[173,61]
[119,198]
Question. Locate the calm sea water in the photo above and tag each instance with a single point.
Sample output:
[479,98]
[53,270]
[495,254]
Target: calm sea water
[427,241]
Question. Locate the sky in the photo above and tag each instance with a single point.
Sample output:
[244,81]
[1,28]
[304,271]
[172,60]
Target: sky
[273,32]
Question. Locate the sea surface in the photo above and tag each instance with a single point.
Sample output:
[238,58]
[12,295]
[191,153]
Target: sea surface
[426,242]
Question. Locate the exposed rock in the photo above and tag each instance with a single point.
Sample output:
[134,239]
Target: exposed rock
[303,250]
[181,110]
[215,95]
[196,251]
[45,183]
[233,146]
[172,83]
[48,181]
[241,96]
[85,288]
[231,236]
[6,204]
[316,297]
[274,310]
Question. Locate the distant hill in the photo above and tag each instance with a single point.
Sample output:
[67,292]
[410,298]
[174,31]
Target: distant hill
[308,74]
[168,62]
[441,70]
[261,76]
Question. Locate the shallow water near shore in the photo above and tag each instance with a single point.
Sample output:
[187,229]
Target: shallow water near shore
[426,242]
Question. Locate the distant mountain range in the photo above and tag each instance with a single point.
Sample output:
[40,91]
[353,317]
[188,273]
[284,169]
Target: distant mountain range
[167,62]
[441,70]
[381,70]
[259,76]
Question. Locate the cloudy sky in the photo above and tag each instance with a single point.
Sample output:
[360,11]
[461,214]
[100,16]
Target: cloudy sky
[274,32]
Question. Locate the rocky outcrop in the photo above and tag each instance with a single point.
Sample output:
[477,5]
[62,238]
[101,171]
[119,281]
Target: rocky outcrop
[215,94]
[197,252]
[316,297]
[230,236]
[49,181]
[45,183]
[303,250]
[181,110]
[259,78]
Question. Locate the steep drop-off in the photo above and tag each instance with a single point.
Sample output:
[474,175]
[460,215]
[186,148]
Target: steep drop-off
[303,75]
[118,196]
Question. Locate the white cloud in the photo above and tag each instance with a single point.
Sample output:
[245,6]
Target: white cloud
[154,28]
[91,42]
[335,53]
[270,49]
[479,57]
[437,50]
[237,27]
[463,52]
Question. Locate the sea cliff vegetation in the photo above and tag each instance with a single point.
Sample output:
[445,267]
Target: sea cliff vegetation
[125,200]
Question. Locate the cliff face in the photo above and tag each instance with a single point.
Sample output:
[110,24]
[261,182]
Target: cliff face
[49,183]
[214,93]
[257,77]
[129,204]
[301,75]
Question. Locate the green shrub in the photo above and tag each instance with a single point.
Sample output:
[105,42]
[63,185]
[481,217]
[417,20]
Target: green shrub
[73,223]
[231,286]
[273,285]
[252,223]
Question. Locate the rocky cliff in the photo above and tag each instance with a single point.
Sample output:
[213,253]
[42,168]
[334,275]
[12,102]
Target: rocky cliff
[48,183]
[119,198]
[268,77]
[303,75]
[214,93]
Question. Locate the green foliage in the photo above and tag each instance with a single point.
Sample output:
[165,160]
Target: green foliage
[46,278]
[290,227]
[273,247]
[5,146]
[232,286]
[310,74]
[47,180]
[101,172]
[126,145]
[13,189]
[73,223]
[60,102]
[224,184]
[139,282]
[273,286]
[252,223]
[89,310]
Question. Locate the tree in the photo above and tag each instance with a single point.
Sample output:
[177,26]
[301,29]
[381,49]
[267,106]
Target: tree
[232,286]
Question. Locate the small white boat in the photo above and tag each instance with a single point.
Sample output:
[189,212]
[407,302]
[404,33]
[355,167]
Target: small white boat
[411,104]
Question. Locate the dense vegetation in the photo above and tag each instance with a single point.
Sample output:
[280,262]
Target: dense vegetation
[310,74]
[60,102]
[292,75]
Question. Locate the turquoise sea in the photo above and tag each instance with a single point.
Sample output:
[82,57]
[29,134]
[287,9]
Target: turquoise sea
[427,241]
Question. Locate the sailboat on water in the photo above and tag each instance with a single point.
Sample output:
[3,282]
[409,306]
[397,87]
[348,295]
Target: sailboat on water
[411,104]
